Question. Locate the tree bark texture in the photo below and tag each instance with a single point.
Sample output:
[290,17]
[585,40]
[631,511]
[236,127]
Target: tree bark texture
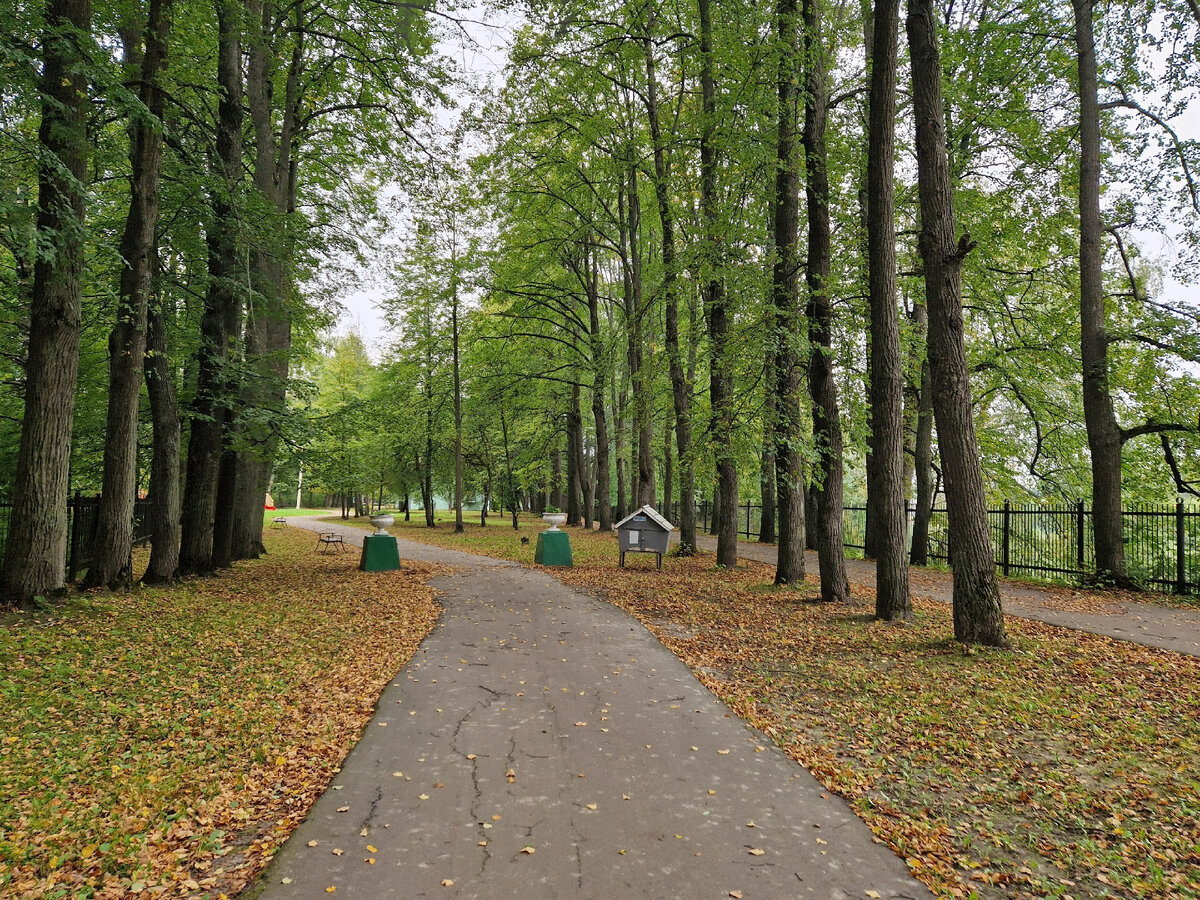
[978,617]
[209,411]
[886,514]
[680,389]
[827,422]
[785,283]
[112,566]
[923,453]
[36,550]
[766,529]
[600,368]
[1104,434]
[575,474]
[164,458]
[720,385]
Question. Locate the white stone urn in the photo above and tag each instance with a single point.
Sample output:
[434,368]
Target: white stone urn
[554,519]
[382,522]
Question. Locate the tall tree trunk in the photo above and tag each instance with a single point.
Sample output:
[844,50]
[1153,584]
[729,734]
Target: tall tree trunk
[886,516]
[603,494]
[1104,434]
[789,472]
[458,442]
[268,324]
[923,453]
[766,530]
[164,459]
[827,422]
[112,566]
[556,480]
[680,390]
[720,383]
[668,471]
[208,411]
[977,614]
[620,404]
[36,550]
[574,459]
[642,457]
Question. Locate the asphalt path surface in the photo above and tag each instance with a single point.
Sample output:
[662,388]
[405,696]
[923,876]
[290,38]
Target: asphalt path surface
[542,744]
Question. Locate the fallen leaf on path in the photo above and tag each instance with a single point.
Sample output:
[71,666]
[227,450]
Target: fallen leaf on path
[754,851]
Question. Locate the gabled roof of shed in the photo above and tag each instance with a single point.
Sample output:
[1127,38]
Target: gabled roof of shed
[651,513]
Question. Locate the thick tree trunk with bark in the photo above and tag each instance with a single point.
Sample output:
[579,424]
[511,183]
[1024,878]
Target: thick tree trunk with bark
[36,550]
[112,566]
[720,385]
[978,617]
[923,454]
[642,463]
[603,500]
[210,407]
[556,480]
[680,389]
[886,513]
[164,458]
[574,459]
[785,282]
[766,531]
[1104,434]
[827,422]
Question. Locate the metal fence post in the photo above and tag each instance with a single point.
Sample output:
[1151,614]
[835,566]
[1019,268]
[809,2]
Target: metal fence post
[747,520]
[1079,533]
[1004,542]
[73,515]
[1180,567]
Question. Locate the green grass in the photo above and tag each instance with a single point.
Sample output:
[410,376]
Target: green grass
[150,732]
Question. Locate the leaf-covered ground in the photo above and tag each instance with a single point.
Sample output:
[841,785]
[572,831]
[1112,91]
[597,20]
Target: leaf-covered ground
[164,743]
[1066,767]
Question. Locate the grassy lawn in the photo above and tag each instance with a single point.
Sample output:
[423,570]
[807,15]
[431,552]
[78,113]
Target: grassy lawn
[171,738]
[1066,767]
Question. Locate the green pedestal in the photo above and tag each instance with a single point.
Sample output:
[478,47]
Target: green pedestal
[380,554]
[553,549]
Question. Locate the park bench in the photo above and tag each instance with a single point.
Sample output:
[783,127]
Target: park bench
[279,522]
[327,540]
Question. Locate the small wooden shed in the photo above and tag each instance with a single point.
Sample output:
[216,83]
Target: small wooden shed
[644,531]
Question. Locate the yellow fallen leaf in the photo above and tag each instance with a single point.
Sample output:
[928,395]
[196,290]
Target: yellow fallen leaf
[88,851]
[397,774]
[751,824]
[580,724]
[695,749]
[332,889]
[364,832]
[723,752]
[754,851]
[370,860]
[529,850]
[422,796]
[343,809]
[481,844]
[337,851]
[736,895]
[449,882]
[874,895]
[312,843]
[819,841]
[371,849]
[285,881]
[470,756]
[496,818]
[591,806]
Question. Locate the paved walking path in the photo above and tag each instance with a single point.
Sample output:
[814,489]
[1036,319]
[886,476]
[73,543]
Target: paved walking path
[542,744]
[1142,623]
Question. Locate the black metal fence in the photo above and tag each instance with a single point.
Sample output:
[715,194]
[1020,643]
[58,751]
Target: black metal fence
[1162,542]
[82,527]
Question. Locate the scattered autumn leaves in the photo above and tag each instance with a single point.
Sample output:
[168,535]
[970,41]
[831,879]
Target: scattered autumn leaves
[1063,768]
[164,743]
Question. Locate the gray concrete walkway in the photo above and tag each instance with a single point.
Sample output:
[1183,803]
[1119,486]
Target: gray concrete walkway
[542,744]
[1141,623]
